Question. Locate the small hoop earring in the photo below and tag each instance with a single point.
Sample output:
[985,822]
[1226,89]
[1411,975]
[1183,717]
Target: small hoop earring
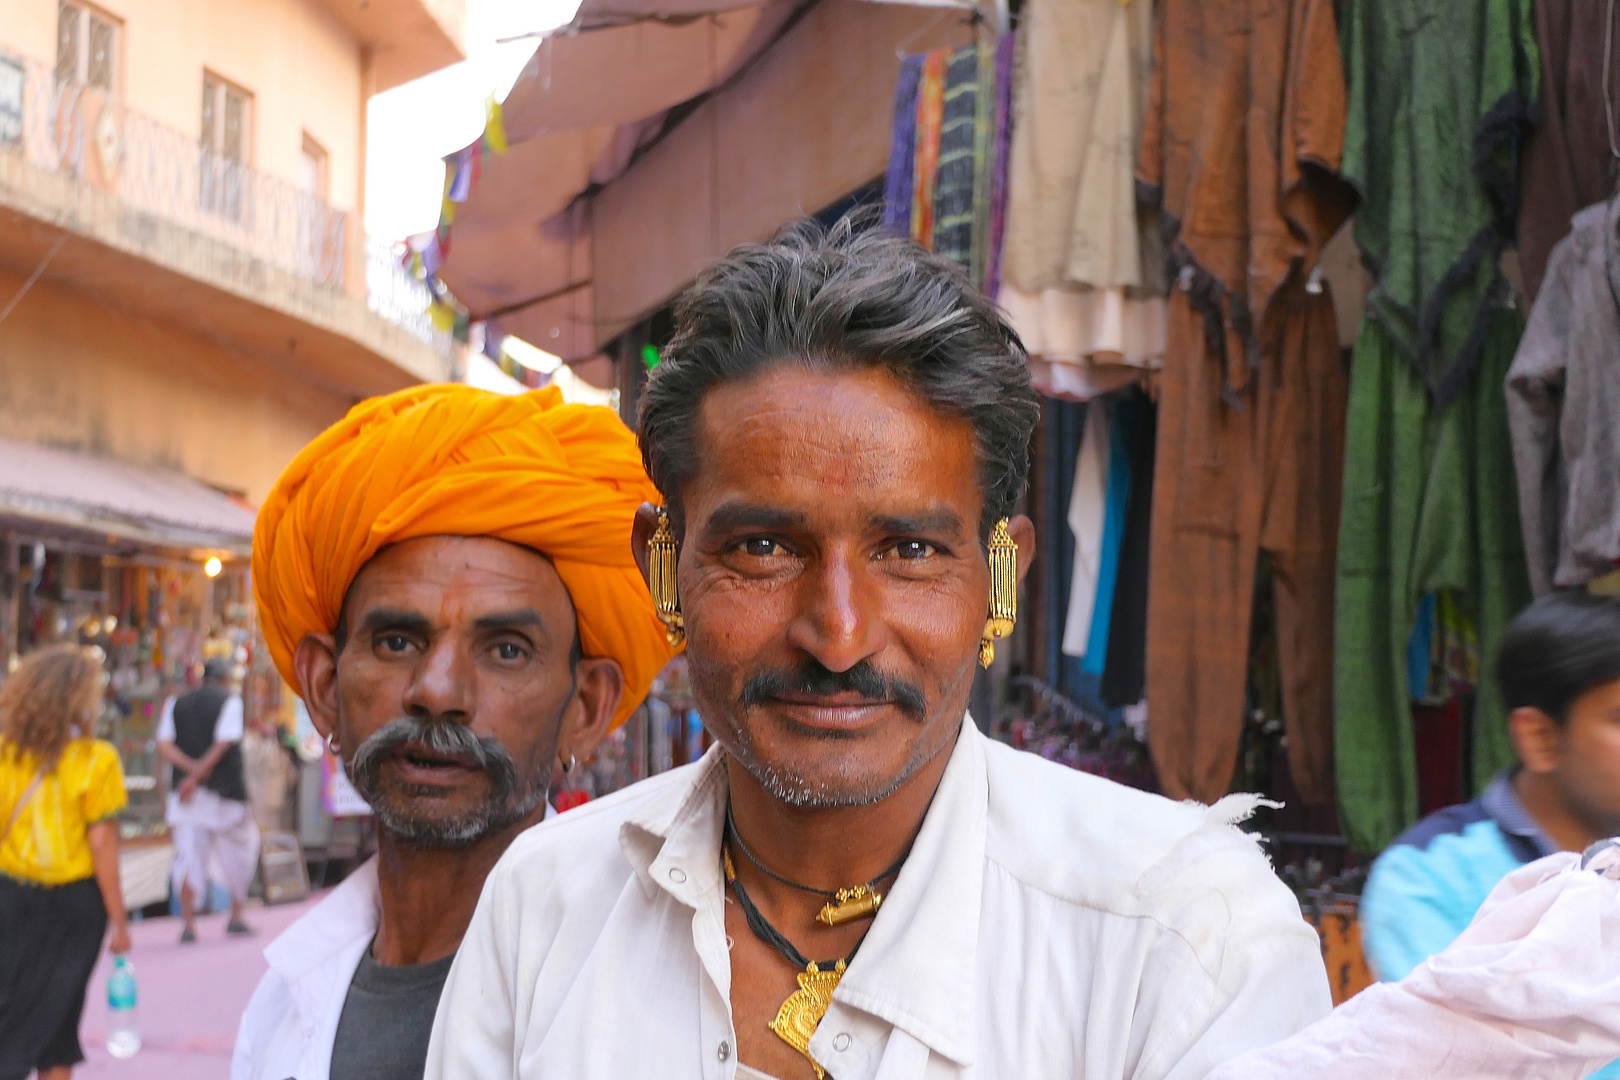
[572,764]
[333,747]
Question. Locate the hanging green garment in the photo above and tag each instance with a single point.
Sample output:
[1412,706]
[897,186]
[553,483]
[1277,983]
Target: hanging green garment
[1441,94]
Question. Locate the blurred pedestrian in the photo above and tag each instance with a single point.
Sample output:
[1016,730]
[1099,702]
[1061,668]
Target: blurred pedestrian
[60,792]
[200,735]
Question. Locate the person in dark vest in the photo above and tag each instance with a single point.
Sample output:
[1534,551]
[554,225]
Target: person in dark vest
[200,736]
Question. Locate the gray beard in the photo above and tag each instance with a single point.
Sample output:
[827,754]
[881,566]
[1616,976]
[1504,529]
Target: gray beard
[400,811]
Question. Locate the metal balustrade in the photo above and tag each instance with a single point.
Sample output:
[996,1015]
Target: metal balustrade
[91,136]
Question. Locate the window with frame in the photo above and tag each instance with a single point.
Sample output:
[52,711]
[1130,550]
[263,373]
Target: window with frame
[86,46]
[227,113]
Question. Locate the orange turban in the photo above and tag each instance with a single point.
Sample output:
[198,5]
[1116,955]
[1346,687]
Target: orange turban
[449,460]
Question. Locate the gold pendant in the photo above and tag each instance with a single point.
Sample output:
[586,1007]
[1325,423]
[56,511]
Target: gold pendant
[855,903]
[797,1019]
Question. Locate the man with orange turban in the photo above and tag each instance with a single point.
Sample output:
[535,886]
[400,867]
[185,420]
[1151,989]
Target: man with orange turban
[446,577]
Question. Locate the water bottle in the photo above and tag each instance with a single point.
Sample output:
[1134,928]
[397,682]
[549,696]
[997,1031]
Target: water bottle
[123,1032]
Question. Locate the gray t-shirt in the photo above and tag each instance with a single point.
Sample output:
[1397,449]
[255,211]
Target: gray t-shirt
[387,1019]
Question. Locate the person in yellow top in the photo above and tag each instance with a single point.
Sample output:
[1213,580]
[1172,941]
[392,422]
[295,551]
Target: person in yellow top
[60,793]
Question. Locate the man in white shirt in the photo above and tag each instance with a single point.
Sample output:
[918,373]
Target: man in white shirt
[854,881]
[446,577]
[200,736]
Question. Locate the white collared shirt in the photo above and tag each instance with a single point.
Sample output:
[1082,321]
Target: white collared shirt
[290,1023]
[1047,923]
[292,1017]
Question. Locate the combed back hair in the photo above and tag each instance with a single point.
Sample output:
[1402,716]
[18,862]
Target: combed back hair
[1557,649]
[844,299]
[52,690]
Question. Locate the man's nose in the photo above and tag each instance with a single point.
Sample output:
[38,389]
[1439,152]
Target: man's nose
[441,687]
[838,618]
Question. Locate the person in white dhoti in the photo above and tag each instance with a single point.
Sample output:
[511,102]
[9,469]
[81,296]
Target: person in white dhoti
[854,881]
[200,736]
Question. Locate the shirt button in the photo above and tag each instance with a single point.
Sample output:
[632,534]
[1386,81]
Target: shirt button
[677,875]
[841,1043]
[725,1051]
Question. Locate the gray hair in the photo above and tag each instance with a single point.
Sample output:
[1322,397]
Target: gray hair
[843,298]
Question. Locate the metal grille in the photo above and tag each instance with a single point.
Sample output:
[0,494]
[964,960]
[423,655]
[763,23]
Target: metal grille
[159,173]
[69,18]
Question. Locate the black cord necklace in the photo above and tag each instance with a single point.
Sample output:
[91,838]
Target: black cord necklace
[798,1017]
[843,905]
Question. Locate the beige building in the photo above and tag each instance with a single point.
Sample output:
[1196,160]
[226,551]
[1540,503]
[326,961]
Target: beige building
[187,296]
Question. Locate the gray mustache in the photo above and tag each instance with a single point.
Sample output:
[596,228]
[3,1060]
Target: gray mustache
[440,737]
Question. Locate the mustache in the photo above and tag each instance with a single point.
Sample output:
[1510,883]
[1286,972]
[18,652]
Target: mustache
[440,737]
[812,677]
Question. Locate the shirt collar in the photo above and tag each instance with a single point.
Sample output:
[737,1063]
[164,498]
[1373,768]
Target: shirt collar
[1501,801]
[916,968]
[351,913]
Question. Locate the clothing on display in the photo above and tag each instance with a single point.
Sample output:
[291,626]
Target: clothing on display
[948,152]
[1429,493]
[1563,398]
[1083,281]
[1087,507]
[1250,428]
[1227,483]
[1439,103]
[1121,438]
[1429,504]
[1570,159]
[1124,676]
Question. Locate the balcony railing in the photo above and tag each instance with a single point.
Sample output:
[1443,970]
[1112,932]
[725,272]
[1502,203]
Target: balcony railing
[398,296]
[91,136]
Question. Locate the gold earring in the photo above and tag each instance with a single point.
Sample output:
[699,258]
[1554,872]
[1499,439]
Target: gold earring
[662,554]
[1003,592]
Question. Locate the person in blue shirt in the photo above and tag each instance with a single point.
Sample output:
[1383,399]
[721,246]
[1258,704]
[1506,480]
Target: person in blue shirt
[1559,670]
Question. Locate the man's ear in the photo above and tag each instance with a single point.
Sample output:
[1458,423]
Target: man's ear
[315,664]
[599,686]
[641,532]
[1022,531]
[1538,739]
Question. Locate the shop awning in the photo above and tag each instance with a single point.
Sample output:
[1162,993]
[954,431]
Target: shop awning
[598,91]
[113,499]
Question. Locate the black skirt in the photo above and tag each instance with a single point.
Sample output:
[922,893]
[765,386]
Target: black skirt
[50,938]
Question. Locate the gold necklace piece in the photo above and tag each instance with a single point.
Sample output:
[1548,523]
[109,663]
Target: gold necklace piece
[796,1021]
[853,903]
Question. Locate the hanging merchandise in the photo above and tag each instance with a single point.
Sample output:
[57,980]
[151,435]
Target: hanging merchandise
[1440,97]
[1121,435]
[1242,138]
[1124,675]
[1563,401]
[1087,507]
[1083,276]
[946,181]
[1571,159]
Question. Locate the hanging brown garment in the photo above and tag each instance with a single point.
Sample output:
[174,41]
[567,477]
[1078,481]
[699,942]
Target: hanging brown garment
[1568,163]
[1244,132]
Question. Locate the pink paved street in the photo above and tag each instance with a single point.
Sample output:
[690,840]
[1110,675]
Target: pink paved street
[191,997]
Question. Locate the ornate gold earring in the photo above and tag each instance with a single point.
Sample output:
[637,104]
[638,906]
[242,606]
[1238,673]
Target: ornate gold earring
[662,554]
[1003,592]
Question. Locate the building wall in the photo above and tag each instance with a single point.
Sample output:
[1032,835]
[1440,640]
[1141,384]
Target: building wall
[78,374]
[301,65]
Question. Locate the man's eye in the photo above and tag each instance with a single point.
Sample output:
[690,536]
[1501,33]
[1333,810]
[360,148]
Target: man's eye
[394,642]
[761,548]
[507,650]
[913,549]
